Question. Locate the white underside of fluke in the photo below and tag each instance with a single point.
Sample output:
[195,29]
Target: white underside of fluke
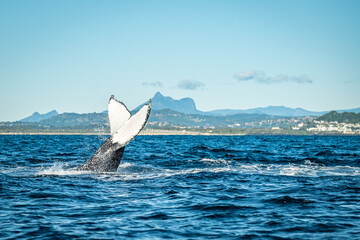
[123,126]
[118,114]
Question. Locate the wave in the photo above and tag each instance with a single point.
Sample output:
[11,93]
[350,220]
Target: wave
[306,169]
[288,200]
[132,171]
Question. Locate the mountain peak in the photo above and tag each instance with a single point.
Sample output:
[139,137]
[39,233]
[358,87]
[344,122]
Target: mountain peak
[53,112]
[158,94]
[184,105]
[37,117]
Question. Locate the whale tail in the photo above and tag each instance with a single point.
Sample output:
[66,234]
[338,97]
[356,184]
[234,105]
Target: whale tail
[118,114]
[123,128]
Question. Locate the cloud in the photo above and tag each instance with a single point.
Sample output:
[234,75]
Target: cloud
[301,79]
[251,75]
[261,77]
[190,84]
[152,84]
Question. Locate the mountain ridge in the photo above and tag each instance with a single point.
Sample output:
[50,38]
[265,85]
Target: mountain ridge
[188,106]
[37,117]
[184,105]
[270,110]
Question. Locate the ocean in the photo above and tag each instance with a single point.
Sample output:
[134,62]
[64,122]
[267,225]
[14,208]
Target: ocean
[182,187]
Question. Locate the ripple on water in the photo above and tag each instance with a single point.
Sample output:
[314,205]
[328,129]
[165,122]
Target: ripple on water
[260,187]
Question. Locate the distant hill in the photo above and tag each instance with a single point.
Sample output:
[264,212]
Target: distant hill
[354,110]
[344,117]
[159,119]
[37,117]
[270,110]
[169,117]
[186,106]
[76,119]
[160,102]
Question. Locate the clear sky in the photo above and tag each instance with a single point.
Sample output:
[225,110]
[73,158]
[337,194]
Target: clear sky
[72,55]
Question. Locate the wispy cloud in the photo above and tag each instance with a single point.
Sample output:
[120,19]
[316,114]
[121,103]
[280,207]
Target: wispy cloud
[153,84]
[261,77]
[190,84]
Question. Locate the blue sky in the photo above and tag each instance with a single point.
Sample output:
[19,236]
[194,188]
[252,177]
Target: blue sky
[72,55]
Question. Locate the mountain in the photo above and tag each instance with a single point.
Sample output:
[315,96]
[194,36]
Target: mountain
[270,110]
[164,118]
[76,120]
[184,105]
[37,117]
[167,117]
[187,106]
[354,110]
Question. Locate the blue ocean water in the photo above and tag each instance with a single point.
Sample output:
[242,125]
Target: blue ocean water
[183,187]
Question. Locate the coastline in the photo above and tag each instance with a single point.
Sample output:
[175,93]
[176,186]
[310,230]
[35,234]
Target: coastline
[150,132]
[50,133]
[163,132]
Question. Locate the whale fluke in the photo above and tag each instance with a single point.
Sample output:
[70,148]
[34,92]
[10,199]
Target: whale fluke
[123,128]
[118,114]
[132,126]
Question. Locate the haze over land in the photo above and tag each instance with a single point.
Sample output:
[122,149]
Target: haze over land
[72,55]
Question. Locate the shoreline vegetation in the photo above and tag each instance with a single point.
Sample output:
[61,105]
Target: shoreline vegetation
[191,132]
[169,122]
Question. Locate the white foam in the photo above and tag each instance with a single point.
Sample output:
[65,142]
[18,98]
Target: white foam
[131,171]
[11,170]
[125,165]
[59,169]
[215,161]
[299,170]
[307,169]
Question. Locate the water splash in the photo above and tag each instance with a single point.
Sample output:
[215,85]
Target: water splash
[59,169]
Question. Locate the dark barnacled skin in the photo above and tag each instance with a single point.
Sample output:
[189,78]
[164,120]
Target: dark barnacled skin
[106,159]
